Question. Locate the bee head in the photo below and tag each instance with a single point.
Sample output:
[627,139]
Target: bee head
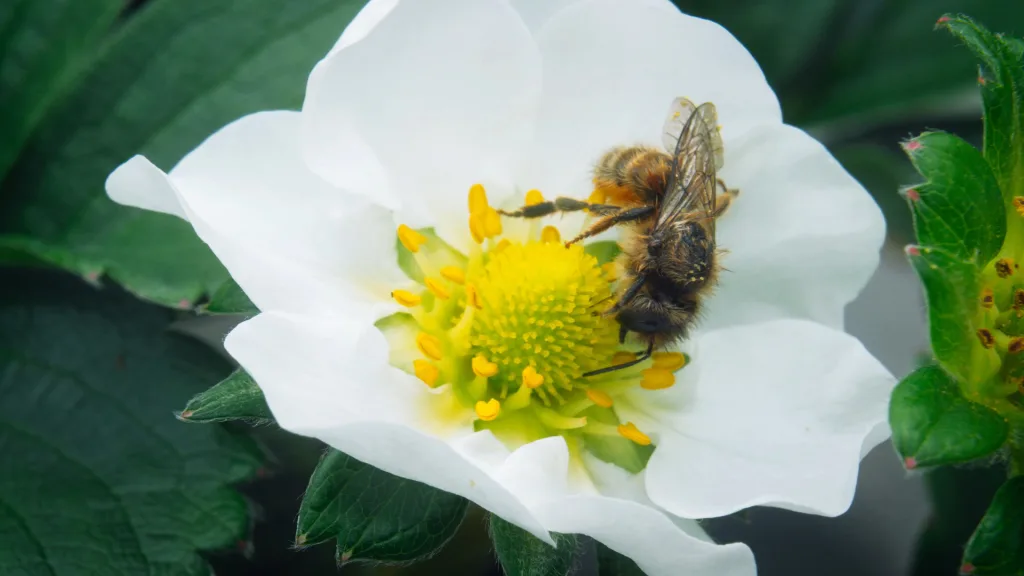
[655,320]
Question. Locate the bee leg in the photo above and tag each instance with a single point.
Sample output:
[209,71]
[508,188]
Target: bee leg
[628,295]
[627,215]
[724,198]
[644,356]
[560,204]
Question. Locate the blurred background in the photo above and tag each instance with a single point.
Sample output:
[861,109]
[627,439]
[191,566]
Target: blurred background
[84,84]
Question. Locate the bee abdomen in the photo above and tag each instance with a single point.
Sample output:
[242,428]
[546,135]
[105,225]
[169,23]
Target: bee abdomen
[640,170]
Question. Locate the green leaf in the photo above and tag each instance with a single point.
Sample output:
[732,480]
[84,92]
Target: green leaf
[605,251]
[933,424]
[230,299]
[175,73]
[960,208]
[997,546]
[953,293]
[611,563]
[237,397]
[99,478]
[35,71]
[373,515]
[523,554]
[1002,90]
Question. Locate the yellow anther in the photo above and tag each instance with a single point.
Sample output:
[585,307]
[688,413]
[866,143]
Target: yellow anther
[670,361]
[477,228]
[534,197]
[435,286]
[611,271]
[598,196]
[550,234]
[426,371]
[483,368]
[473,297]
[630,431]
[531,379]
[477,198]
[410,238]
[429,345]
[657,379]
[454,273]
[1018,203]
[489,410]
[622,358]
[492,222]
[406,298]
[600,397]
[502,244]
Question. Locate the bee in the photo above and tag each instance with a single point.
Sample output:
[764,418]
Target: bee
[667,203]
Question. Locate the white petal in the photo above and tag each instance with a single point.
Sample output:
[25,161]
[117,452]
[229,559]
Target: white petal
[329,378]
[291,240]
[623,521]
[802,238]
[443,94]
[537,13]
[611,69]
[366,20]
[139,183]
[777,413]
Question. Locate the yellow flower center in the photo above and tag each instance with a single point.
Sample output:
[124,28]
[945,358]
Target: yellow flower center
[510,329]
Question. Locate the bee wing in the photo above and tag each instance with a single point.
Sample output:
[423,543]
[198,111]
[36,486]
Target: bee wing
[679,114]
[692,185]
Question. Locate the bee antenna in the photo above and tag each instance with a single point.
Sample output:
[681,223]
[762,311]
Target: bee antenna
[644,356]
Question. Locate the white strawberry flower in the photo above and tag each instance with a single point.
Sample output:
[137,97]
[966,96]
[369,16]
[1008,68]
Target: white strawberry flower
[454,356]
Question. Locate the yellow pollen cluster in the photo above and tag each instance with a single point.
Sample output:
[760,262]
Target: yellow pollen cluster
[510,329]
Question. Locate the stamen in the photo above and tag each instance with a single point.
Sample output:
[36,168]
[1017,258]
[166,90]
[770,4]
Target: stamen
[411,239]
[406,298]
[489,410]
[553,419]
[435,286]
[454,274]
[1018,299]
[426,371]
[519,399]
[483,368]
[598,196]
[534,197]
[670,361]
[473,297]
[987,298]
[477,198]
[531,379]
[600,398]
[630,431]
[1018,203]
[477,229]
[492,222]
[429,345]
[657,379]
[611,271]
[501,245]
[550,234]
